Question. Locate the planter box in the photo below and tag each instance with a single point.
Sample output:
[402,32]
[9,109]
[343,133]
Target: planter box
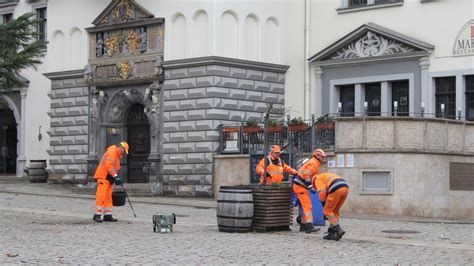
[272,208]
[297,128]
[252,130]
[274,129]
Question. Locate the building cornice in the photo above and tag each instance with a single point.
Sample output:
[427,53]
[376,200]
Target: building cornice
[224,61]
[78,73]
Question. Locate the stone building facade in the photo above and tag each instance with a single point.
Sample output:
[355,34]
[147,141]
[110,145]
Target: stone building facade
[168,111]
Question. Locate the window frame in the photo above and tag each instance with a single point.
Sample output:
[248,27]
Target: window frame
[371,4]
[469,92]
[43,25]
[362,189]
[445,95]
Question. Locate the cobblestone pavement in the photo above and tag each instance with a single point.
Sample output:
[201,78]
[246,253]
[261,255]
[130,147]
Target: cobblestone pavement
[48,229]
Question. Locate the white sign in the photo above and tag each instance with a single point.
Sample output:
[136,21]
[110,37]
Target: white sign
[340,160]
[331,164]
[350,160]
[464,42]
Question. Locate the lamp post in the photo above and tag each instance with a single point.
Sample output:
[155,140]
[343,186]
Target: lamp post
[395,107]
[422,109]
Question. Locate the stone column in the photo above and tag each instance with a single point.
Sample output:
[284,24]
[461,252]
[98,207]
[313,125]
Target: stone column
[21,160]
[317,97]
[94,133]
[359,98]
[153,110]
[460,94]
[386,99]
[426,94]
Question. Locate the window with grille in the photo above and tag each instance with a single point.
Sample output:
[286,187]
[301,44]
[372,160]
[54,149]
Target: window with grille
[6,18]
[400,93]
[373,98]
[446,94]
[41,28]
[470,97]
[356,3]
[347,97]
[377,182]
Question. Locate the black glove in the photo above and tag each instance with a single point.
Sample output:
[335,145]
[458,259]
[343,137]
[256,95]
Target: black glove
[117,180]
[267,174]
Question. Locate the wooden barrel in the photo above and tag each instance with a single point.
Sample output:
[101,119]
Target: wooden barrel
[234,209]
[37,171]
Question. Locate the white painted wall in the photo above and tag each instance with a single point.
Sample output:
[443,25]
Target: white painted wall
[436,22]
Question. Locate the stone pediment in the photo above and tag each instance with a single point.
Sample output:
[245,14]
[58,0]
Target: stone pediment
[371,41]
[122,11]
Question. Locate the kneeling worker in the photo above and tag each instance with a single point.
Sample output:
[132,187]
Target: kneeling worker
[275,168]
[333,191]
[106,175]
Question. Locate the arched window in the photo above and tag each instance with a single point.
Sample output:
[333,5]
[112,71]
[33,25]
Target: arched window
[58,60]
[76,50]
[272,41]
[251,38]
[178,36]
[201,34]
[229,40]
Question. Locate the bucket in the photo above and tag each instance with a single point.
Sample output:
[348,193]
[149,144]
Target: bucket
[234,209]
[118,198]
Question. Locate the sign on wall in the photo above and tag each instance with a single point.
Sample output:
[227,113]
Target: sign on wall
[464,43]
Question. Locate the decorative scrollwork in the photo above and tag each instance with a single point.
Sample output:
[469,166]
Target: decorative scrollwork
[111,45]
[126,70]
[133,41]
[372,45]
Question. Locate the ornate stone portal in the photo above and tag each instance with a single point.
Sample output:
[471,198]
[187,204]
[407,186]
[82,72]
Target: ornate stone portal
[125,73]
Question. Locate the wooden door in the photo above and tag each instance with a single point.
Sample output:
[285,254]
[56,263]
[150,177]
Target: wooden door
[139,141]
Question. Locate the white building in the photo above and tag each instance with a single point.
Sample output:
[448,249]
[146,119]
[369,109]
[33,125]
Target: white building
[222,61]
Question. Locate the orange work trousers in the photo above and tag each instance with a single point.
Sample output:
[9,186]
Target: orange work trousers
[103,197]
[305,201]
[334,203]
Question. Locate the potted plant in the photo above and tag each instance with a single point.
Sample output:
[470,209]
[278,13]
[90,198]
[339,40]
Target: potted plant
[325,122]
[251,126]
[274,126]
[297,124]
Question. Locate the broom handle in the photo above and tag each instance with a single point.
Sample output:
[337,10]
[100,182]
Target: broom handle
[126,195]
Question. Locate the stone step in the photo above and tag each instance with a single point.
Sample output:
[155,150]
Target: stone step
[133,190]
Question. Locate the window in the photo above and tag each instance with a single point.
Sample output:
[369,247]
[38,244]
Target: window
[356,3]
[346,98]
[373,98]
[400,94]
[6,18]
[446,95]
[377,182]
[470,97]
[461,176]
[41,28]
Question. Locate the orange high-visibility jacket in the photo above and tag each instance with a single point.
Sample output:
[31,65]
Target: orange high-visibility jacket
[110,163]
[326,183]
[309,169]
[274,170]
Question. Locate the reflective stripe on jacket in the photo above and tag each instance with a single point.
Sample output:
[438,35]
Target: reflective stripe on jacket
[274,170]
[309,169]
[327,183]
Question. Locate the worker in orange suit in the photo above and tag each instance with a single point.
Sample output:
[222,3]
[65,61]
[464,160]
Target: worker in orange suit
[333,191]
[302,186]
[106,175]
[275,167]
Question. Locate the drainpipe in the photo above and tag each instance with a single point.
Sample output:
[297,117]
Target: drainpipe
[307,77]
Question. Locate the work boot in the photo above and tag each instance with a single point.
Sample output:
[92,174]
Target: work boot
[308,228]
[331,234]
[109,218]
[97,218]
[339,232]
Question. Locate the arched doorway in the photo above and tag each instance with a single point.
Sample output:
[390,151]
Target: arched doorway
[8,140]
[138,129]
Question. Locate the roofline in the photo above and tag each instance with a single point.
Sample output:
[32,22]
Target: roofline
[375,28]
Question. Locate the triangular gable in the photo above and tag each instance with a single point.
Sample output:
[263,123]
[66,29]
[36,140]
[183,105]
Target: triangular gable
[121,11]
[371,40]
